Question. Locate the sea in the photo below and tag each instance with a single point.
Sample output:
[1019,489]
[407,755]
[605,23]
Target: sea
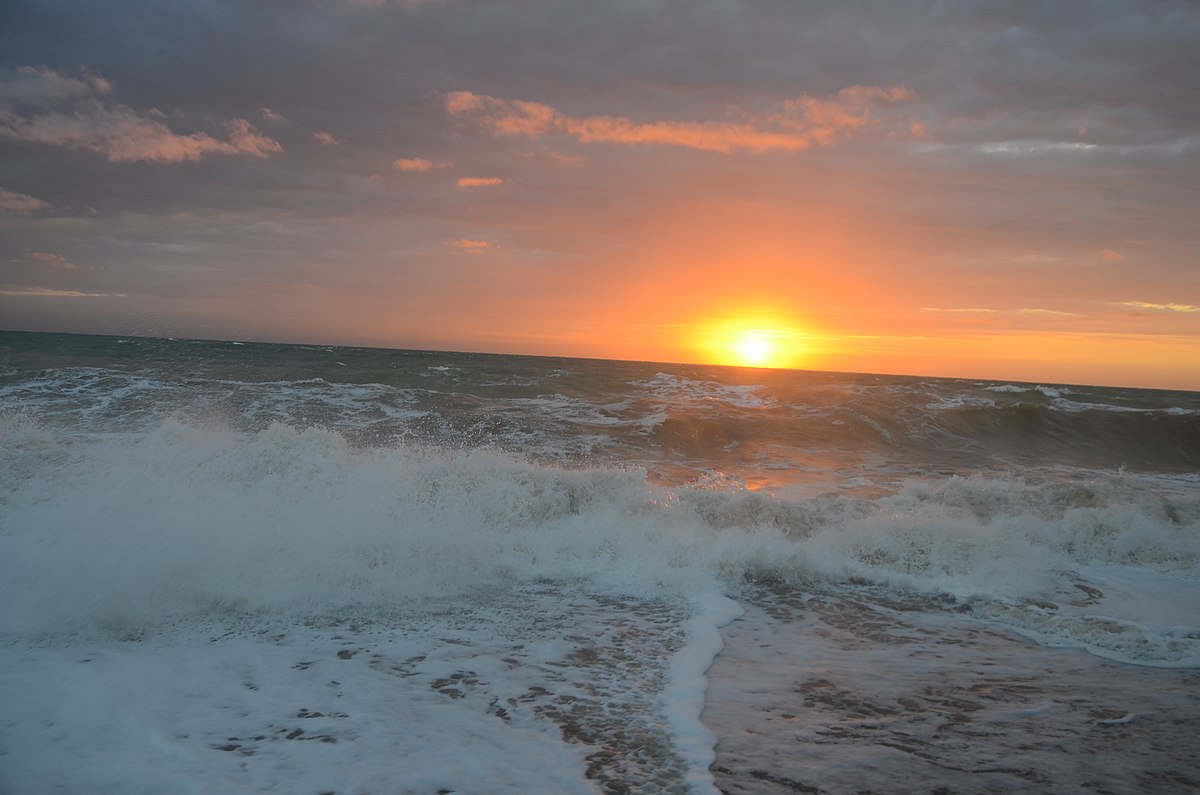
[233,567]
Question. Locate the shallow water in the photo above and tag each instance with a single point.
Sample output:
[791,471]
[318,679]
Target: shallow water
[860,692]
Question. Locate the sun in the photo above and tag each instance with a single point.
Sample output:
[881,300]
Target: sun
[754,342]
[754,348]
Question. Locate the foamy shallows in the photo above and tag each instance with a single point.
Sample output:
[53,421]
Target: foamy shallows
[247,610]
[239,580]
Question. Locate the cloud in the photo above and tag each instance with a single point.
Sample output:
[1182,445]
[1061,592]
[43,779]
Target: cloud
[46,292]
[1110,255]
[476,182]
[19,203]
[326,138]
[414,164]
[976,310]
[1033,148]
[1046,313]
[470,246]
[1184,308]
[54,260]
[42,87]
[410,5]
[794,125]
[42,106]
[970,310]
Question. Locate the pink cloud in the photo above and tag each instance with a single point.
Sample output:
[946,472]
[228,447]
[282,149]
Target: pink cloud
[795,125]
[75,114]
[326,139]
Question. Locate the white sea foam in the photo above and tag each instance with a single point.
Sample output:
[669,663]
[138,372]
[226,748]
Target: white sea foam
[675,388]
[100,400]
[430,701]
[687,684]
[1062,404]
[576,410]
[960,401]
[186,520]
[183,519]
[1048,391]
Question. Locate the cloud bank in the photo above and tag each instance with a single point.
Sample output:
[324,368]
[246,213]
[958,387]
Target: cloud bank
[791,126]
[39,105]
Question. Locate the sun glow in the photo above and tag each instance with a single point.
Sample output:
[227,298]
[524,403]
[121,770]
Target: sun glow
[754,347]
[754,343]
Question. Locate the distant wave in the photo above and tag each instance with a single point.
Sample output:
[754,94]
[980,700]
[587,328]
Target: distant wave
[665,419]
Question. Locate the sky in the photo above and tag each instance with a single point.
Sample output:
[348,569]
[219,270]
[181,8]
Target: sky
[999,190]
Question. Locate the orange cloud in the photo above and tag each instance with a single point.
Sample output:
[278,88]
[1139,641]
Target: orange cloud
[411,164]
[795,125]
[476,182]
[469,246]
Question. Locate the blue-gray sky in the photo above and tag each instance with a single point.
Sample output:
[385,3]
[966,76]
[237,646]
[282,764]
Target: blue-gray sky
[985,189]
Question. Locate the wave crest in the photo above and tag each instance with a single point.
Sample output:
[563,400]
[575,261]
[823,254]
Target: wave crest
[182,519]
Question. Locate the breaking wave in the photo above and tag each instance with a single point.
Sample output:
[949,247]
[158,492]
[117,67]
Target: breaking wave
[182,519]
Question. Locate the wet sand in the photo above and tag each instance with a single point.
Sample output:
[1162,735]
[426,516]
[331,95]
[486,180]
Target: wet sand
[865,694]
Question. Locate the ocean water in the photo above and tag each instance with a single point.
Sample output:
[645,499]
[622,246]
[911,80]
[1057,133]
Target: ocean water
[232,567]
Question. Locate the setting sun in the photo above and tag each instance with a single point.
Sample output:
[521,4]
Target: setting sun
[754,343]
[755,347]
